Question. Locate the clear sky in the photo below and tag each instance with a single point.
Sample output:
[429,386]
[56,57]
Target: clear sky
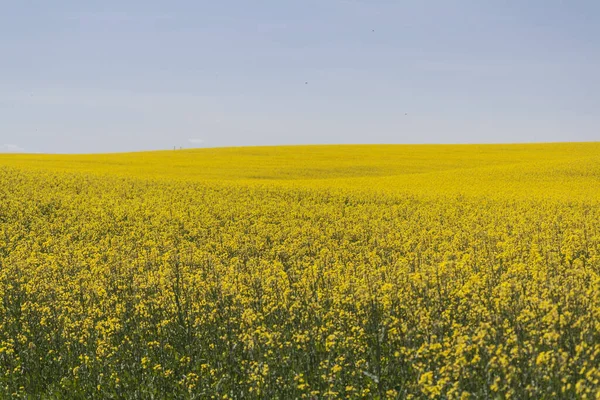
[99,76]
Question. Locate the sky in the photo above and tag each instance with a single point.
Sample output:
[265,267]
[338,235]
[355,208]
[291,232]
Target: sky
[111,76]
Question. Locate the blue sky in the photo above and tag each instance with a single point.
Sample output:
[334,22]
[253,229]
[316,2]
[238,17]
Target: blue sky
[103,76]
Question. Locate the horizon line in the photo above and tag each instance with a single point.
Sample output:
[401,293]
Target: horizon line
[181,148]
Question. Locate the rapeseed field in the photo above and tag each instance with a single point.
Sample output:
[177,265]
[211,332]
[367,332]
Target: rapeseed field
[315,272]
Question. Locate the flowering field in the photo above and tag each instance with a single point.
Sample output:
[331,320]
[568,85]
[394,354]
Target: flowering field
[457,272]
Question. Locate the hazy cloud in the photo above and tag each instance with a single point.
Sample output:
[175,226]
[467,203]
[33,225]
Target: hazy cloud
[101,98]
[196,141]
[117,17]
[11,148]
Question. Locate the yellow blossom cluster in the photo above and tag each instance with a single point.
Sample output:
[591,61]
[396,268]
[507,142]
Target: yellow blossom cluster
[387,272]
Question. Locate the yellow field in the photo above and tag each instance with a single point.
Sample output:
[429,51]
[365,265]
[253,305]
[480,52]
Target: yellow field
[446,271]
